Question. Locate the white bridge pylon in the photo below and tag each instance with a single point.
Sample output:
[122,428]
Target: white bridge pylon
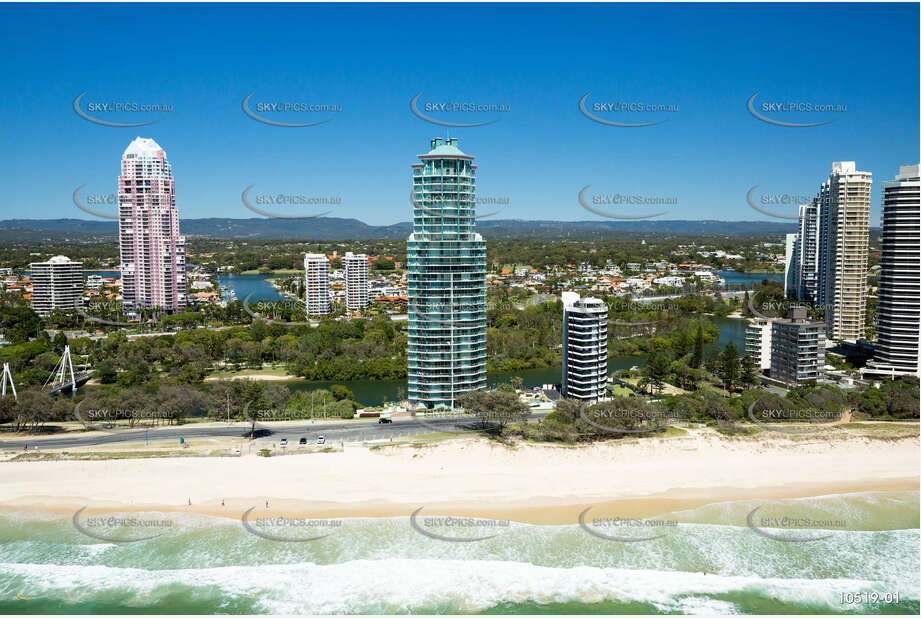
[8,376]
[59,374]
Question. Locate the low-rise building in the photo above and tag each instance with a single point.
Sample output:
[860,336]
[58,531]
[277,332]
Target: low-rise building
[758,342]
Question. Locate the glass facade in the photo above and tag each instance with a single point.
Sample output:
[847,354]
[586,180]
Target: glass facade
[446,279]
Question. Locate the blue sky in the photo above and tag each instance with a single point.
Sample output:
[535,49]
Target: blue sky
[538,60]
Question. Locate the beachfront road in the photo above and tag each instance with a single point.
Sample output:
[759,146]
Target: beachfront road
[345,431]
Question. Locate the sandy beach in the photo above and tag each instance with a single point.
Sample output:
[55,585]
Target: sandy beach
[476,477]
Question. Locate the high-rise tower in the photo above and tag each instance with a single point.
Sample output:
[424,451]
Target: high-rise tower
[152,251]
[897,350]
[847,250]
[446,278]
[585,348]
[316,283]
[356,280]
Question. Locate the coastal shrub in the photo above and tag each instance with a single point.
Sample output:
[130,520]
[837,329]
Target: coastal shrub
[495,407]
[896,399]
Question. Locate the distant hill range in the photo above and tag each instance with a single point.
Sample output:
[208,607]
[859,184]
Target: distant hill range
[331,228]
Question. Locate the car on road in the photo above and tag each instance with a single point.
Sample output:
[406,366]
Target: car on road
[302,442]
[284,442]
[321,440]
[384,419]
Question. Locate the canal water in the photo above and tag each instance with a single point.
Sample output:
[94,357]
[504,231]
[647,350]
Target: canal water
[736,279]
[378,392]
[244,285]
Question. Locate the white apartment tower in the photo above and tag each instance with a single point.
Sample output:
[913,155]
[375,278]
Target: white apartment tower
[848,222]
[356,281]
[585,347]
[897,350]
[316,283]
[152,251]
[758,342]
[56,284]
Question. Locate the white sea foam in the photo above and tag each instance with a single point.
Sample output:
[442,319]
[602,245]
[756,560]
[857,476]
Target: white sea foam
[390,585]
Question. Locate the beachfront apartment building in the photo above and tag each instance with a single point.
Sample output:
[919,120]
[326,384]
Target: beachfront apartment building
[797,348]
[446,280]
[897,350]
[758,342]
[846,199]
[56,284]
[585,347]
[152,252]
[316,284]
[355,266]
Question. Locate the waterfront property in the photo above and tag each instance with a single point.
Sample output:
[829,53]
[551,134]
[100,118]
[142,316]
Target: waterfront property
[446,270]
[897,350]
[585,347]
[758,342]
[356,280]
[797,348]
[316,283]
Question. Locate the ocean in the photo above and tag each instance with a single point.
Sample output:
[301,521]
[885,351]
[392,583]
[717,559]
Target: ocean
[710,562]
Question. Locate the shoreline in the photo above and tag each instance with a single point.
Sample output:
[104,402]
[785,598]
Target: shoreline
[547,512]
[544,484]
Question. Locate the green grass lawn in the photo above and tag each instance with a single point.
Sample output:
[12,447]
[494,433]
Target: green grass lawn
[265,371]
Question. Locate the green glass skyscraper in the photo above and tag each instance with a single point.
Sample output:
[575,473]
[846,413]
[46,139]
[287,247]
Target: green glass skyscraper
[446,278]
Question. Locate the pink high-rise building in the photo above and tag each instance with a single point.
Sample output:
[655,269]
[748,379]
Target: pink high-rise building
[152,251]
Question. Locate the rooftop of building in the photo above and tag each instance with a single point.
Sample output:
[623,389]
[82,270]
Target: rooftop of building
[143,146]
[445,147]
